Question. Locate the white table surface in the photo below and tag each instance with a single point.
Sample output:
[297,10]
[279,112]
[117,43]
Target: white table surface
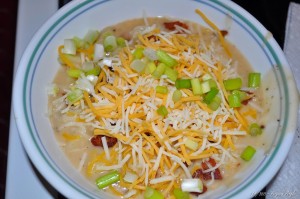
[22,180]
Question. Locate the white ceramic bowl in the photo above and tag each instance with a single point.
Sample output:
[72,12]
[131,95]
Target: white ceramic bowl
[39,65]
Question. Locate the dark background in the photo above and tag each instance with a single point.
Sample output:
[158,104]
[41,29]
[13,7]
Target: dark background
[272,14]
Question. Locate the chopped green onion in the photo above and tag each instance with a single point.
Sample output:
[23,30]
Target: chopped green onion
[74,95]
[254,80]
[196,86]
[172,74]
[121,42]
[151,193]
[95,71]
[179,194]
[208,98]
[248,153]
[138,65]
[138,53]
[108,179]
[98,52]
[242,94]
[255,129]
[234,100]
[215,103]
[183,83]
[166,58]
[80,43]
[75,73]
[150,68]
[233,84]
[191,144]
[88,65]
[212,83]
[161,89]
[159,71]
[69,47]
[205,87]
[110,43]
[91,36]
[192,185]
[162,110]
[176,95]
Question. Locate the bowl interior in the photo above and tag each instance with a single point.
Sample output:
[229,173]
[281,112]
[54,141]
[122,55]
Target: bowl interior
[39,65]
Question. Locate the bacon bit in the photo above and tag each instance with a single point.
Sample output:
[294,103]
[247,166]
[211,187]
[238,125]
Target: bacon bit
[224,32]
[152,37]
[96,140]
[172,25]
[207,175]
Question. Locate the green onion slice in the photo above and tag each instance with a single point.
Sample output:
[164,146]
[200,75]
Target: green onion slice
[255,129]
[176,95]
[254,80]
[196,86]
[108,179]
[159,71]
[166,58]
[208,98]
[151,193]
[179,194]
[183,83]
[233,84]
[162,110]
[161,89]
[248,153]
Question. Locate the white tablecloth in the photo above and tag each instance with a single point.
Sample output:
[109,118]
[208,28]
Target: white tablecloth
[286,183]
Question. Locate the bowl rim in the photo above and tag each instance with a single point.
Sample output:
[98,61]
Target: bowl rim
[22,120]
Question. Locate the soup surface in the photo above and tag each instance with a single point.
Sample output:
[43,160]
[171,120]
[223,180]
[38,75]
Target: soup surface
[156,105]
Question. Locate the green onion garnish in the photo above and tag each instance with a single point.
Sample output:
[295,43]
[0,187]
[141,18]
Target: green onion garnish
[179,194]
[172,74]
[162,110]
[75,73]
[110,43]
[150,68]
[183,83]
[166,58]
[248,153]
[233,84]
[69,47]
[121,42]
[176,95]
[91,36]
[108,179]
[255,129]
[74,95]
[205,87]
[254,80]
[208,98]
[95,71]
[196,86]
[138,53]
[242,94]
[234,100]
[159,71]
[151,193]
[161,89]
[215,103]
[138,65]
